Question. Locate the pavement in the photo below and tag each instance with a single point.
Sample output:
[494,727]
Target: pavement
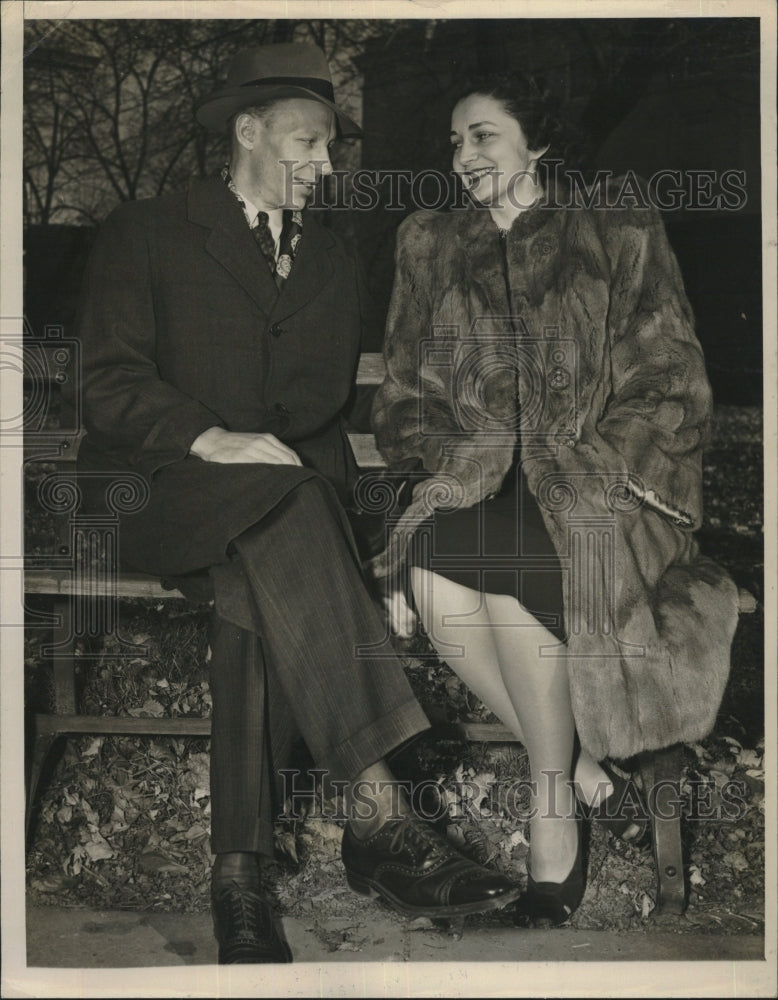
[82,938]
[169,954]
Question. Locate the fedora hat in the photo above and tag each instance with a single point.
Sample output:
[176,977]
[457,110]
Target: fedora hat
[292,69]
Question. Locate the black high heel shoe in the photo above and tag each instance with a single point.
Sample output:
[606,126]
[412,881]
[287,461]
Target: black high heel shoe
[555,902]
[622,809]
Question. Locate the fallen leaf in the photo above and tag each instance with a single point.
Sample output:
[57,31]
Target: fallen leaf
[517,837]
[90,815]
[721,777]
[749,758]
[155,862]
[285,841]
[736,860]
[98,849]
[150,708]
[54,883]
[453,685]
[94,747]
[695,876]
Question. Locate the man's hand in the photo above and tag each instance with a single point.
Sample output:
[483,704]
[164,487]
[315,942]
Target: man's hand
[218,445]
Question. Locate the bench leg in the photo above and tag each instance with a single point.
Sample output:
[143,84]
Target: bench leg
[43,744]
[62,654]
[661,773]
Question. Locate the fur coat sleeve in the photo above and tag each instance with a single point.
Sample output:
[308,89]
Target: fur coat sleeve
[417,413]
[658,411]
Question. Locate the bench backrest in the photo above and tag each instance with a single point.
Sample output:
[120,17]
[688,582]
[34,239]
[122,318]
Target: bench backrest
[49,363]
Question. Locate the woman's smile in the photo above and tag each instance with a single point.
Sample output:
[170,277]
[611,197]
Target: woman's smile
[473,177]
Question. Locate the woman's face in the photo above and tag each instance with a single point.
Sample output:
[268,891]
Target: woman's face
[490,152]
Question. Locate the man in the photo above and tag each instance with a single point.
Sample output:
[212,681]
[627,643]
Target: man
[221,332]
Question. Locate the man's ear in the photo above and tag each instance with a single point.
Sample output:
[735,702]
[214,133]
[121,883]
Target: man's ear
[246,129]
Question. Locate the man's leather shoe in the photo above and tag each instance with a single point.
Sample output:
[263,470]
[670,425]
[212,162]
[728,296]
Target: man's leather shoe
[419,873]
[243,923]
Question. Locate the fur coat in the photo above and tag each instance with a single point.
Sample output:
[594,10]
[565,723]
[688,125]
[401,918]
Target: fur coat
[577,341]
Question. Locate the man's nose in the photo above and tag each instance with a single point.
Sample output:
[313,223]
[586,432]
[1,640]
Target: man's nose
[324,166]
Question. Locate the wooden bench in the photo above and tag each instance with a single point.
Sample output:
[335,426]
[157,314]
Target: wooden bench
[660,770]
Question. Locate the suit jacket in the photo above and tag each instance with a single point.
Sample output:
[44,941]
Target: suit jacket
[580,344]
[182,329]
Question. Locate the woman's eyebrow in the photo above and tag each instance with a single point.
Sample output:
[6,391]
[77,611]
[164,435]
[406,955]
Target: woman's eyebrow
[475,125]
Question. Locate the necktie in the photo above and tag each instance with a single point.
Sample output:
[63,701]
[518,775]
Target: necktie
[264,239]
[290,239]
[291,234]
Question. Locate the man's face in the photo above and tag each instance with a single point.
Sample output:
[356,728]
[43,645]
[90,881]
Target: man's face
[290,152]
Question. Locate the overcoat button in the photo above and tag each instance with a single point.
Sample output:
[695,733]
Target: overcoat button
[559,378]
[547,248]
[280,408]
[276,330]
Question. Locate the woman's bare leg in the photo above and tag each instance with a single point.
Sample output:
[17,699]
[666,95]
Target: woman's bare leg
[494,645]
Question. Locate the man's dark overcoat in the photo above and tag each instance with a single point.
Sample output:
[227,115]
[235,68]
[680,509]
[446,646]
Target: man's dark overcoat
[182,329]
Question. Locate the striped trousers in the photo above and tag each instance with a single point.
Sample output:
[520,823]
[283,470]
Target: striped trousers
[311,656]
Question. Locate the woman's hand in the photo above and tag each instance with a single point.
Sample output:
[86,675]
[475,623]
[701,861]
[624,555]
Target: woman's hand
[402,620]
[219,445]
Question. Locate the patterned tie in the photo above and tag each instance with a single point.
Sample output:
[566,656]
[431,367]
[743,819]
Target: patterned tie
[264,239]
[291,234]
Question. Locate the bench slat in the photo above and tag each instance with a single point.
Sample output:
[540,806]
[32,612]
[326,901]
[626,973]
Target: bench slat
[476,732]
[56,724]
[53,581]
[48,446]
[479,732]
[371,369]
[365,451]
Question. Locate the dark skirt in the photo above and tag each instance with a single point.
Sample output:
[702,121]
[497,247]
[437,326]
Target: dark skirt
[500,546]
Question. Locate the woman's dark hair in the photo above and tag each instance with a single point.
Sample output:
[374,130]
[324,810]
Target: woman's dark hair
[526,99]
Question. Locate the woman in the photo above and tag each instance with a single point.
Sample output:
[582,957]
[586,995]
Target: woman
[544,374]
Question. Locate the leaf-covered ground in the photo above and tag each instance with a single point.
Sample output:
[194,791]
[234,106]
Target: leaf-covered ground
[124,822]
